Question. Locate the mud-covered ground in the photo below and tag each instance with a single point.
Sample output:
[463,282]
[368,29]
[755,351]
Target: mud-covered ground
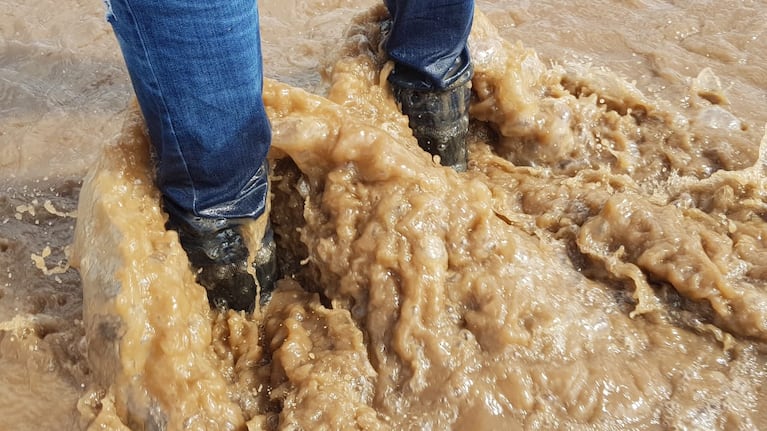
[602,265]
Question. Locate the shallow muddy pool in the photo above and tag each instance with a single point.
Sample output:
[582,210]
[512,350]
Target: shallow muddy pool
[602,265]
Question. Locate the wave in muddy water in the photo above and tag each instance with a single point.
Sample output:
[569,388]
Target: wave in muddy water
[595,268]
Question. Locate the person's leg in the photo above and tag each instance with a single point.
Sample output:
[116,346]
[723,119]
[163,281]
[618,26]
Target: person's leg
[197,73]
[196,70]
[428,42]
[431,79]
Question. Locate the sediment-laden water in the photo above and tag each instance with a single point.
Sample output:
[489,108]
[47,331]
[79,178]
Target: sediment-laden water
[601,265]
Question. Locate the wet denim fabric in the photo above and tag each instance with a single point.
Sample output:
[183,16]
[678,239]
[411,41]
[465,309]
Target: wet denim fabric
[428,42]
[197,73]
[196,69]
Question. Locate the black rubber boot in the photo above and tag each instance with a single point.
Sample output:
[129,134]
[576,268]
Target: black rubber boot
[439,119]
[217,251]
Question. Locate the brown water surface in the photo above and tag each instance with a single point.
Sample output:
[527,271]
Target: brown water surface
[602,264]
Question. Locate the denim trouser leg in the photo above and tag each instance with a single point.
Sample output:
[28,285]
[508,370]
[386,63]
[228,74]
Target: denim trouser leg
[197,72]
[428,41]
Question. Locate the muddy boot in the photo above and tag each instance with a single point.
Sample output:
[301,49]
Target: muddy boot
[439,119]
[217,251]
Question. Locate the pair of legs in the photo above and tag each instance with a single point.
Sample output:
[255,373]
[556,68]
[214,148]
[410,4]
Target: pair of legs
[196,69]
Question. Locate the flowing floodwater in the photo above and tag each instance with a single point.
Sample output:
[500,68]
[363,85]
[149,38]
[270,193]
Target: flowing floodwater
[602,265]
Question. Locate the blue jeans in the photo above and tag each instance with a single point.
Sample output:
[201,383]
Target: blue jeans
[196,70]
[428,42]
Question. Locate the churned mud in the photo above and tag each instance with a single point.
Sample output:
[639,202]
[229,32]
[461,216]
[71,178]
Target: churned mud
[601,265]
[596,267]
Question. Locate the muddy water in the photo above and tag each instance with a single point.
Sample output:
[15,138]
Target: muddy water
[601,266]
